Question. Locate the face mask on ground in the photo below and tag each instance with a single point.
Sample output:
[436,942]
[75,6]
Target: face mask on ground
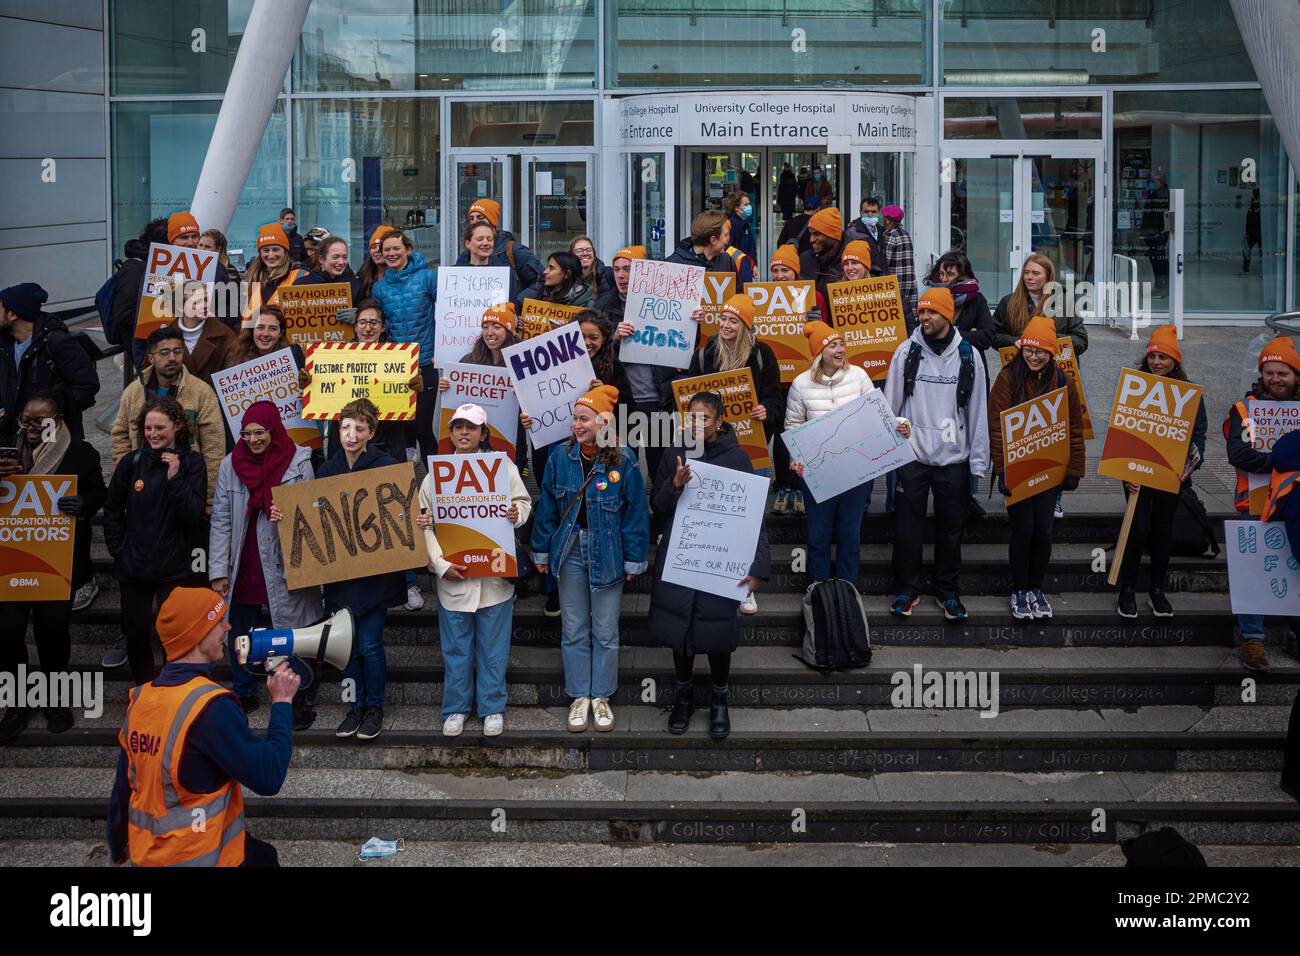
[870,220]
[375,847]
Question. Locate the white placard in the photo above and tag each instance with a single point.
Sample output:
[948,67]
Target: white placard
[660,299]
[464,294]
[272,378]
[849,446]
[550,373]
[1263,574]
[715,530]
[543,184]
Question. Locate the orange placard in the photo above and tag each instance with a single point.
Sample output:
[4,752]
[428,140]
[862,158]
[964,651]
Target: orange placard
[309,313]
[471,495]
[36,538]
[1036,444]
[1069,364]
[718,288]
[736,389]
[540,317]
[1150,430]
[1267,422]
[869,314]
[164,266]
[780,311]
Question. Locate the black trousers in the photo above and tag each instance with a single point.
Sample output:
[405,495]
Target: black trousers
[951,487]
[140,603]
[1030,550]
[653,452]
[782,476]
[1152,530]
[1291,754]
[425,405]
[53,639]
[259,853]
[719,668]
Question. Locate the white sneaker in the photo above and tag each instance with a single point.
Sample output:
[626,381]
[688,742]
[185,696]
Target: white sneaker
[453,725]
[85,596]
[603,713]
[414,599]
[749,605]
[493,725]
[578,714]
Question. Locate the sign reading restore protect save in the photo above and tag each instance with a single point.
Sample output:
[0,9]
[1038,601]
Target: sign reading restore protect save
[379,371]
[471,498]
[1150,430]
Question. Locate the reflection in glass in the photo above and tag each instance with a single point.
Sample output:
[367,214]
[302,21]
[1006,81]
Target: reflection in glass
[522,123]
[559,209]
[1011,117]
[649,212]
[982,206]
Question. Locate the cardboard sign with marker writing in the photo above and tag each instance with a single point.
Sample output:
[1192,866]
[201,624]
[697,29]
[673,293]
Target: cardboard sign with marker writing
[736,389]
[309,313]
[1036,444]
[540,317]
[1068,363]
[36,538]
[869,314]
[379,371]
[718,288]
[350,526]
[1150,430]
[780,310]
[661,298]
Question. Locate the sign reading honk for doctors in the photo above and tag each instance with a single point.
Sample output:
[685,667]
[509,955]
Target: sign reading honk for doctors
[1150,430]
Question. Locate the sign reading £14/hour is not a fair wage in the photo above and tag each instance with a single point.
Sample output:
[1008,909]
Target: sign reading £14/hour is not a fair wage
[379,371]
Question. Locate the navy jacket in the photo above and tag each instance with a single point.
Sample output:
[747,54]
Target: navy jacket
[53,361]
[366,594]
[527,268]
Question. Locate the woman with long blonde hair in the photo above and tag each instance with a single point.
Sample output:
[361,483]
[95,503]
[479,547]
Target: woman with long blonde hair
[1033,296]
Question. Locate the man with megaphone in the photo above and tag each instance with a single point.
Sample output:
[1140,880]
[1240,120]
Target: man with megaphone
[187,747]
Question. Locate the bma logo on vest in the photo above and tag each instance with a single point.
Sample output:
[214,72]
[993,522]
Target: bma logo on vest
[146,744]
[73,910]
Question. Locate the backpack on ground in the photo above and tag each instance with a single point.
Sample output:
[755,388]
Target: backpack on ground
[1193,534]
[965,377]
[836,636]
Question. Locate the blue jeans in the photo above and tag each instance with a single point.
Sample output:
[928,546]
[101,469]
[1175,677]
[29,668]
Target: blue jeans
[589,619]
[837,521]
[410,578]
[368,668]
[475,651]
[243,618]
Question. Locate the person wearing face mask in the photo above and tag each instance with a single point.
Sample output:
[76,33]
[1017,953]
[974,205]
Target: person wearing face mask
[474,613]
[46,447]
[373,269]
[297,248]
[595,273]
[270,271]
[820,187]
[245,564]
[156,500]
[560,282]
[1279,381]
[165,376]
[369,598]
[867,228]
[158,794]
[936,381]
[408,293]
[592,523]
[1032,296]
[740,213]
[688,621]
[1031,374]
[506,251]
[480,240]
[207,338]
[332,267]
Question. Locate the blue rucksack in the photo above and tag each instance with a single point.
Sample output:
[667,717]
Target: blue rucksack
[104,306]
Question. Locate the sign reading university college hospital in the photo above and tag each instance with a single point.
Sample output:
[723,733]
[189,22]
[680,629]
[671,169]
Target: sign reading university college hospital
[887,120]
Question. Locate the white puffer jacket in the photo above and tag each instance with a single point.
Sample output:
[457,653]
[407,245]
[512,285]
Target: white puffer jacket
[812,395]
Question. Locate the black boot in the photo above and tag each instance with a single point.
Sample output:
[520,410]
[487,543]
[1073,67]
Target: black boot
[13,723]
[719,720]
[680,718]
[58,720]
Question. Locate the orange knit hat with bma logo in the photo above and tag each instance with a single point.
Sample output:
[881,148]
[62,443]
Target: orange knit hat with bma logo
[602,399]
[1165,340]
[180,224]
[786,255]
[1039,333]
[742,307]
[857,251]
[828,222]
[503,314]
[938,299]
[819,336]
[489,209]
[629,252]
[1281,349]
[272,234]
[186,618]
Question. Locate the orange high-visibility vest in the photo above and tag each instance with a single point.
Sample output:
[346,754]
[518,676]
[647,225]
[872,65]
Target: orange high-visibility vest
[739,258]
[255,294]
[164,828]
[1240,494]
[1281,484]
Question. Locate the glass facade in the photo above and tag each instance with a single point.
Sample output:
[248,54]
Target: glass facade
[406,112]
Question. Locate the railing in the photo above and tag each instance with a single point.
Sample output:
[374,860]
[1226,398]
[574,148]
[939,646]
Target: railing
[1114,319]
[1279,323]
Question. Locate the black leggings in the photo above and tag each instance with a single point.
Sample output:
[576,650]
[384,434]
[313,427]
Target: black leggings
[1153,528]
[719,668]
[1031,540]
[139,610]
[53,639]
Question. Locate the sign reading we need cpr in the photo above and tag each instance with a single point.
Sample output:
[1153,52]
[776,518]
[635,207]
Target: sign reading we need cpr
[35,538]
[1036,445]
[1150,430]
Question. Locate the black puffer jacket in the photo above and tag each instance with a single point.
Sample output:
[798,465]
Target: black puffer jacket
[690,621]
[82,460]
[148,530]
[53,361]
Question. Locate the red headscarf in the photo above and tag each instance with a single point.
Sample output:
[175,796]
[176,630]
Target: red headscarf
[261,473]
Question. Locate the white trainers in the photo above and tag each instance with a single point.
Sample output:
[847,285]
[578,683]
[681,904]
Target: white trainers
[453,725]
[493,725]
[578,714]
[749,605]
[414,599]
[603,713]
[85,596]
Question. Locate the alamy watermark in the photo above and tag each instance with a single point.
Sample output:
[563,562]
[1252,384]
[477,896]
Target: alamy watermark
[74,690]
[1088,300]
[945,690]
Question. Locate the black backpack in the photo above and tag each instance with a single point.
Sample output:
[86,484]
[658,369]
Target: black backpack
[836,636]
[1193,535]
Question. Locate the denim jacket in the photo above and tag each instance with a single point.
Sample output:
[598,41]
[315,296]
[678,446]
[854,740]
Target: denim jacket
[618,517]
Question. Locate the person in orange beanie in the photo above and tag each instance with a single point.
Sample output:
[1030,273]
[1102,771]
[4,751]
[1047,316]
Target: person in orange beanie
[1153,517]
[184,711]
[1279,381]
[592,528]
[506,250]
[787,492]
[821,262]
[270,271]
[183,229]
[855,260]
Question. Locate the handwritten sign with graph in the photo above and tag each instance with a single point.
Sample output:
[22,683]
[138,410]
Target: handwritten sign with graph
[848,446]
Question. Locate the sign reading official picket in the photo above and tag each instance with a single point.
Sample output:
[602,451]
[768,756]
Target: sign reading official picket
[1036,444]
[661,297]
[550,373]
[780,311]
[1150,430]
[736,389]
[379,371]
[309,313]
[471,496]
[490,389]
[35,538]
[869,314]
[164,266]
[271,378]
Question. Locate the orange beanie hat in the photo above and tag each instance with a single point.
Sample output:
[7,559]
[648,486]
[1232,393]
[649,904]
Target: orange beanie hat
[601,399]
[827,222]
[938,299]
[272,234]
[186,617]
[787,256]
[629,252]
[1165,340]
[490,209]
[378,235]
[181,224]
[503,314]
[1281,349]
[742,307]
[819,336]
[857,251]
[1039,333]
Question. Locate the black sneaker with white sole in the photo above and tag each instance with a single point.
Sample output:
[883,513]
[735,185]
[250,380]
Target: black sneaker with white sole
[1128,605]
[1160,605]
[351,723]
[372,725]
[115,656]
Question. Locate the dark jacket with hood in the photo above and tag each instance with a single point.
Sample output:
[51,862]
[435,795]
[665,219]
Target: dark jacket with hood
[82,460]
[527,268]
[1286,457]
[822,269]
[353,280]
[579,295]
[149,519]
[685,254]
[53,362]
[687,620]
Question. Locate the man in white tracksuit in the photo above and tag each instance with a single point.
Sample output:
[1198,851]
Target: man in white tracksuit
[947,406]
